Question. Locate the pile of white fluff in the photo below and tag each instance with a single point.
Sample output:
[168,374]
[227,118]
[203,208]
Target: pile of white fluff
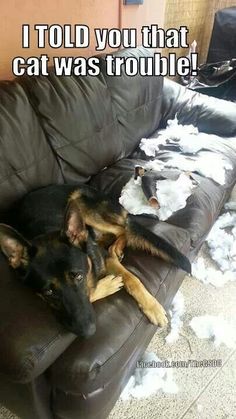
[186,137]
[133,199]
[171,194]
[222,248]
[147,381]
[177,310]
[214,328]
[222,244]
[190,141]
[210,275]
[206,163]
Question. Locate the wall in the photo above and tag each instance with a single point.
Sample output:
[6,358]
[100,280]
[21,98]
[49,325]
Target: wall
[94,13]
[16,12]
[198,16]
[151,12]
[190,13]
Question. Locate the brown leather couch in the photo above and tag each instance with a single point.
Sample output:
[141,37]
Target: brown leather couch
[86,129]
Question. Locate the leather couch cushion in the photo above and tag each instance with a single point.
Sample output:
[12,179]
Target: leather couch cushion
[121,327]
[137,101]
[26,160]
[80,124]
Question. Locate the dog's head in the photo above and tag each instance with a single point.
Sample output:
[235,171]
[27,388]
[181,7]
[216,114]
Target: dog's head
[56,267]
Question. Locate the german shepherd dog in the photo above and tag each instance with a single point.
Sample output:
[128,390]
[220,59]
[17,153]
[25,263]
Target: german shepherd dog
[70,249]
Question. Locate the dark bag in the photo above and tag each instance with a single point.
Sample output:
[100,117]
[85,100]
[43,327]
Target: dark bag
[218,76]
[216,79]
[223,39]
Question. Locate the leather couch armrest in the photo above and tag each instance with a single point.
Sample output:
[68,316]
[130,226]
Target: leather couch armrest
[30,337]
[209,114]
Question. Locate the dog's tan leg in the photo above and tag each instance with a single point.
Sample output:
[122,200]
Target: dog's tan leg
[106,286]
[147,303]
[117,248]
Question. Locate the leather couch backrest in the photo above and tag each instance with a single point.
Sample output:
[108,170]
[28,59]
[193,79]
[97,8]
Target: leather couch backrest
[91,122]
[137,100]
[79,121]
[55,129]
[26,159]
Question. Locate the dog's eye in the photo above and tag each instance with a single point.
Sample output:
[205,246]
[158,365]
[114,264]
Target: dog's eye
[48,293]
[76,276]
[79,278]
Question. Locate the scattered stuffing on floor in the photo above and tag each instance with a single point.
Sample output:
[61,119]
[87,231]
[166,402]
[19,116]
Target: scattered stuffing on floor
[231,206]
[222,248]
[222,244]
[176,311]
[147,381]
[215,328]
[210,275]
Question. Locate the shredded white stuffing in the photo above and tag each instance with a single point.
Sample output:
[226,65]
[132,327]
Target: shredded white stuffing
[156,165]
[186,137]
[176,311]
[184,134]
[189,140]
[133,199]
[222,244]
[151,145]
[171,194]
[209,275]
[147,381]
[231,206]
[206,163]
[214,327]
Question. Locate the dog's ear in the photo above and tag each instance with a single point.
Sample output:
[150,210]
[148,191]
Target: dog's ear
[14,246]
[74,227]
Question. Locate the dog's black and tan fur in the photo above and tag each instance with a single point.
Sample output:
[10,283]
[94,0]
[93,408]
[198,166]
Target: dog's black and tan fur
[73,251]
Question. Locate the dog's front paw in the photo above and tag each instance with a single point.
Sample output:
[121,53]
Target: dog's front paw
[112,283]
[106,286]
[155,313]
